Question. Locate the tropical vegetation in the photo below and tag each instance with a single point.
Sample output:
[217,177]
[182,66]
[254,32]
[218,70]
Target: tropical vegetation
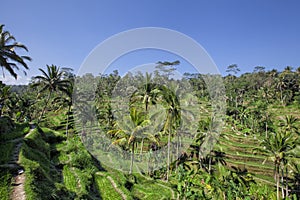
[149,135]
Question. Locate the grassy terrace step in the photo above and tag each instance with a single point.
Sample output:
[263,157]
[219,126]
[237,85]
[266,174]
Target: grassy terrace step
[265,179]
[241,154]
[250,164]
[257,170]
[106,188]
[252,167]
[248,159]
[233,150]
[239,144]
[241,137]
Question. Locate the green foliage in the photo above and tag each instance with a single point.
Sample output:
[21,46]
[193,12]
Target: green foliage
[9,59]
[5,187]
[257,116]
[106,189]
[16,130]
[6,150]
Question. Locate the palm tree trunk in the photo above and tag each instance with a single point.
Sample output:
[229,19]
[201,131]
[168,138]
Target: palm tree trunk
[44,109]
[142,145]
[282,186]
[209,163]
[168,159]
[132,158]
[277,186]
[281,95]
[286,183]
[266,130]
[67,125]
[277,180]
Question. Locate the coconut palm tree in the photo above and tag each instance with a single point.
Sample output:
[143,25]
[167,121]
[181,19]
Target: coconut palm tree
[9,59]
[147,94]
[129,130]
[277,147]
[288,123]
[173,116]
[52,81]
[66,101]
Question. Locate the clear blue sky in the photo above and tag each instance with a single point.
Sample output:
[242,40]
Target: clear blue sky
[248,33]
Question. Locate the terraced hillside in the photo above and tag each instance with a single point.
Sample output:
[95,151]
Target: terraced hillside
[60,168]
[240,152]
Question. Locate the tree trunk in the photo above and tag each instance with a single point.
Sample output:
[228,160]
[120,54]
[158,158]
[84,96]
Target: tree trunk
[67,125]
[168,159]
[282,186]
[209,163]
[277,185]
[277,180]
[47,101]
[281,96]
[132,158]
[267,129]
[177,150]
[142,145]
[286,183]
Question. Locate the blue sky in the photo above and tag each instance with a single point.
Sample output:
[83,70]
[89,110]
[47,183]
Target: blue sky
[246,33]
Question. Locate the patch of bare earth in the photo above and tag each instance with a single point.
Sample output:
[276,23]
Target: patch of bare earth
[18,192]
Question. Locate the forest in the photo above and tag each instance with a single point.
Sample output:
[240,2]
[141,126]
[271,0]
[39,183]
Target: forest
[148,135]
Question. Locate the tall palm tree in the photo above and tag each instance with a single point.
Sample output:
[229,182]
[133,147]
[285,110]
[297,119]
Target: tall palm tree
[52,81]
[66,101]
[147,94]
[129,130]
[173,116]
[277,147]
[9,59]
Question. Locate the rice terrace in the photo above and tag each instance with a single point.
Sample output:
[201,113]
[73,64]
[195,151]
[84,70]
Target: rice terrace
[144,112]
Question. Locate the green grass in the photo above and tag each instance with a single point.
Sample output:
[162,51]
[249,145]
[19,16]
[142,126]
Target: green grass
[6,151]
[250,164]
[39,170]
[238,144]
[5,187]
[18,131]
[79,169]
[70,180]
[107,191]
[151,190]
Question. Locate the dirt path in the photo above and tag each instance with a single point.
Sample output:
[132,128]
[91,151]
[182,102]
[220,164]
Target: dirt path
[18,191]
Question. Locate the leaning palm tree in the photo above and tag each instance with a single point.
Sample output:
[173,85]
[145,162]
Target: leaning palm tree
[9,59]
[52,81]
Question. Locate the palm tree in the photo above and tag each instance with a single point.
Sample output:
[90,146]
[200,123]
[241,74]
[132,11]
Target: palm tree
[9,59]
[129,130]
[288,123]
[66,100]
[277,147]
[147,94]
[173,116]
[52,81]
